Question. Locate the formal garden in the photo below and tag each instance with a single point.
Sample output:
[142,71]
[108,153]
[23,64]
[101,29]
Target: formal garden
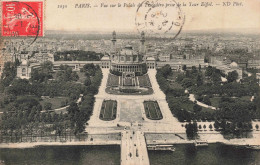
[108,110]
[138,85]
[152,110]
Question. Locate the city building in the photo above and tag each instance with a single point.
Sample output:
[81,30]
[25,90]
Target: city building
[24,70]
[258,78]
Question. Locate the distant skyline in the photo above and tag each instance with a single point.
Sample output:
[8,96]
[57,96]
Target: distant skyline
[123,19]
[232,30]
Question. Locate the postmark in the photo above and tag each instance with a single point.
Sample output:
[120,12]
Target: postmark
[22,18]
[159,17]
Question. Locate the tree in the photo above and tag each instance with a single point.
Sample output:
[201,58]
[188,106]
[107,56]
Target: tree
[66,74]
[250,126]
[8,74]
[184,67]
[74,76]
[210,127]
[209,71]
[197,108]
[199,80]
[43,117]
[232,76]
[166,70]
[206,59]
[187,82]
[144,68]
[216,78]
[194,70]
[19,87]
[87,81]
[43,73]
[49,118]
[80,122]
[162,81]
[73,108]
[63,104]
[89,69]
[216,125]
[180,77]
[191,130]
[206,100]
[47,66]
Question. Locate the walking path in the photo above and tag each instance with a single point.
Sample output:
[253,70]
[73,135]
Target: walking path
[64,108]
[193,99]
[131,110]
[78,143]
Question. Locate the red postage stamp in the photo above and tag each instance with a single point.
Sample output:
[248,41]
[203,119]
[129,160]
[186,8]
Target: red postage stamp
[22,18]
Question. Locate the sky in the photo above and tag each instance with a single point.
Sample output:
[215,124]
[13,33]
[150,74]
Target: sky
[123,18]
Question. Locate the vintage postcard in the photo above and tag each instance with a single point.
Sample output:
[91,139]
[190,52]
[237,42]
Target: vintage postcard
[130,82]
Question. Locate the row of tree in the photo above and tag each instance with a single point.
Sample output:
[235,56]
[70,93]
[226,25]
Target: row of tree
[77,55]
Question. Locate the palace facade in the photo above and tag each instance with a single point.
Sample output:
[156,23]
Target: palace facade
[127,59]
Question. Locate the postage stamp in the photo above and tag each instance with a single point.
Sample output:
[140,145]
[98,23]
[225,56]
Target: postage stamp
[22,18]
[159,17]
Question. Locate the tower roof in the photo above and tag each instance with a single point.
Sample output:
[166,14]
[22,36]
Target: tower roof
[114,33]
[114,36]
[233,65]
[24,62]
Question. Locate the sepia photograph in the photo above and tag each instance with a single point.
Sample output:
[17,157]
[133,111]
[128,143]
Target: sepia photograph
[130,82]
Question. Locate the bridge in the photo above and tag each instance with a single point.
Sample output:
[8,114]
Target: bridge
[133,148]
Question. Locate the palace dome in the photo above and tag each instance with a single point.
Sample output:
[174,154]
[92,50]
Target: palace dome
[128,50]
[105,57]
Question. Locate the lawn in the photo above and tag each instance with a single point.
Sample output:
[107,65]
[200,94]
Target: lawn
[175,85]
[144,81]
[56,101]
[113,80]
[215,101]
[188,105]
[108,110]
[152,110]
[246,98]
[207,110]
[82,77]
[185,103]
